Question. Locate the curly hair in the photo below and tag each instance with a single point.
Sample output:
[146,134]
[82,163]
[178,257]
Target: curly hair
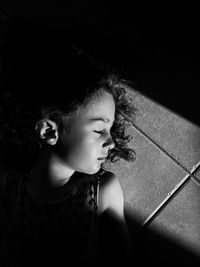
[55,85]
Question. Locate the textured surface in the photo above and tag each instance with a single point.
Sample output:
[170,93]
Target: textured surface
[147,180]
[197,175]
[176,135]
[161,218]
[180,220]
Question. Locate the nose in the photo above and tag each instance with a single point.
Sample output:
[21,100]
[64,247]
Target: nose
[109,143]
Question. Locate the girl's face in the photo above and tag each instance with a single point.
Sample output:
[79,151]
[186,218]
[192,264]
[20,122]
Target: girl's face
[89,136]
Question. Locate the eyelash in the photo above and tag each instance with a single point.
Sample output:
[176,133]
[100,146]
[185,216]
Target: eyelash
[99,132]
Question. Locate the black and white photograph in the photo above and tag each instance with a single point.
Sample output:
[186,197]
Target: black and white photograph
[99,133]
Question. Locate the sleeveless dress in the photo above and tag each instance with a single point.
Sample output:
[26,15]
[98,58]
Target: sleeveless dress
[42,234]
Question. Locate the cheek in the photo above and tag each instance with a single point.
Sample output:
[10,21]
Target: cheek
[82,146]
[82,155]
[85,148]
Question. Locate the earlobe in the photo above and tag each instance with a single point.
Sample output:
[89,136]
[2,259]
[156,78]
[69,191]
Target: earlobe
[47,131]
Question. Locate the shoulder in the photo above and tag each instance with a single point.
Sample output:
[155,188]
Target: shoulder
[110,194]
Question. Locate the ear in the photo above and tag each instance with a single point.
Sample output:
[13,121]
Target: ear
[48,131]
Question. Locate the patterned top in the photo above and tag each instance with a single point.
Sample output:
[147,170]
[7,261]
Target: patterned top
[59,234]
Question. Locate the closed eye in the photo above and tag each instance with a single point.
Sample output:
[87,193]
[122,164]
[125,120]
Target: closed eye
[99,132]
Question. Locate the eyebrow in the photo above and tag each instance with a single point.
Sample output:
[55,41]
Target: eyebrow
[104,119]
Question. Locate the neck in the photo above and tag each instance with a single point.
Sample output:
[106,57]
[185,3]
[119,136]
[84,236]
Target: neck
[51,170]
[58,172]
[48,176]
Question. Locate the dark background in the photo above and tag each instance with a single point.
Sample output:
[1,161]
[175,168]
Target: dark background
[156,44]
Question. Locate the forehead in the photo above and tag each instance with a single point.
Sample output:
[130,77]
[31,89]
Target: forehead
[102,107]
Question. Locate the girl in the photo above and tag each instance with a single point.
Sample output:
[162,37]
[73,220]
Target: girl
[59,128]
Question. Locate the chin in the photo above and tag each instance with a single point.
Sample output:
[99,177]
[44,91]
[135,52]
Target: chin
[93,170]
